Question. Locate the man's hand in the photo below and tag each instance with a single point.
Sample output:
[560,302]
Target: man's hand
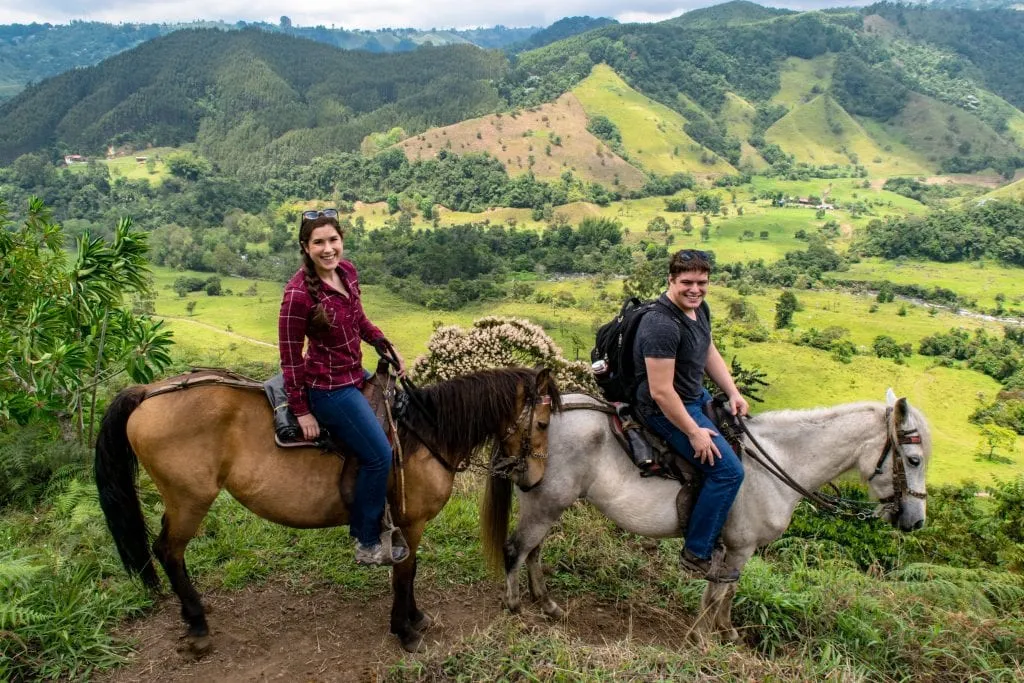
[704,448]
[310,427]
[738,405]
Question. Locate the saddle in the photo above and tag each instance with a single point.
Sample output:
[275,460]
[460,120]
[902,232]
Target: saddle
[654,456]
[379,391]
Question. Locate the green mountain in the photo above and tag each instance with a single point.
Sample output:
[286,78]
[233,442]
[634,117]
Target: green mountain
[248,95]
[32,52]
[728,14]
[885,90]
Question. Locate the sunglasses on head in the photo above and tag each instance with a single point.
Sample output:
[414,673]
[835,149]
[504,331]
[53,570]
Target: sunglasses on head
[313,214]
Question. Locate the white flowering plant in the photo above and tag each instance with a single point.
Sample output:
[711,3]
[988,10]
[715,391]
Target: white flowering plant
[497,342]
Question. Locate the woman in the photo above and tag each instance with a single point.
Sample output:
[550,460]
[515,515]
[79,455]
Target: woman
[321,303]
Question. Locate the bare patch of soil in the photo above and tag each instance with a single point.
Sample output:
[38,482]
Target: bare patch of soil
[272,632]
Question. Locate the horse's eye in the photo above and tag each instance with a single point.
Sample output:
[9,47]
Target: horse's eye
[542,425]
[914,460]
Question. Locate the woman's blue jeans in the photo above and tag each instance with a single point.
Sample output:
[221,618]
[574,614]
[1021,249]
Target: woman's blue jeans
[721,480]
[350,420]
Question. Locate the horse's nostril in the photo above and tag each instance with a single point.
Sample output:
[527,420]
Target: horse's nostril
[918,524]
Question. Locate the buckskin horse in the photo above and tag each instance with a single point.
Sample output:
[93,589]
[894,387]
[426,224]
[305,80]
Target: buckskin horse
[889,444]
[195,439]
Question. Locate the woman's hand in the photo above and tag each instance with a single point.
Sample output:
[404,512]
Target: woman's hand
[310,427]
[401,362]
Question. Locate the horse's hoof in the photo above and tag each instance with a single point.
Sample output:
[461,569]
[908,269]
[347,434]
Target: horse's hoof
[731,636]
[425,621]
[514,607]
[414,644]
[200,646]
[553,611]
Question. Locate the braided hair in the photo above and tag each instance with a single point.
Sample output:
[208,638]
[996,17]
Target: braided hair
[319,321]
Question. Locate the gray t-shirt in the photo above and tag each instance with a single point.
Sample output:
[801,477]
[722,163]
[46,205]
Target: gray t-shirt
[663,335]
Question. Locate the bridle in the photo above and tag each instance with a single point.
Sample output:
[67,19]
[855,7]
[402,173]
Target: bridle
[838,505]
[505,465]
[900,486]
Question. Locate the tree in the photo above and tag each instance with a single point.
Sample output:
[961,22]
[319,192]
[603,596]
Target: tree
[646,277]
[993,438]
[65,328]
[784,309]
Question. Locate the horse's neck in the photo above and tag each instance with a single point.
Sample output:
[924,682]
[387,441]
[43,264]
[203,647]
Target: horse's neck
[815,447]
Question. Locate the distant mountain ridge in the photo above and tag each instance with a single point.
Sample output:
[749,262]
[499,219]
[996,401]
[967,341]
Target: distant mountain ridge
[32,52]
[882,90]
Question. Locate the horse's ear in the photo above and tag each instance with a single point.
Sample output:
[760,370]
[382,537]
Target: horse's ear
[890,397]
[543,377]
[900,411]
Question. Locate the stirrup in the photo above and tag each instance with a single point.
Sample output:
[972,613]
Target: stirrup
[392,538]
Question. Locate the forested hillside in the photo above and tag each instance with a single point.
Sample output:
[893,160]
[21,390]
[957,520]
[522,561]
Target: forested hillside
[902,94]
[30,53]
[248,96]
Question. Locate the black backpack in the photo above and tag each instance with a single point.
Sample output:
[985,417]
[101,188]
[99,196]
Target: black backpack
[614,346]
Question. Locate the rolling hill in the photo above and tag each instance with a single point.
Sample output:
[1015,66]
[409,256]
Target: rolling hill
[547,140]
[821,132]
[652,133]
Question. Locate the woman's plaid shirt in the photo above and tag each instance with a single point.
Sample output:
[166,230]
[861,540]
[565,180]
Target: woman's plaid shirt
[333,358]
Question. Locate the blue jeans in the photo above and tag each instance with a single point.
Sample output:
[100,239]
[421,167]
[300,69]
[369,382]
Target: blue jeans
[721,480]
[348,417]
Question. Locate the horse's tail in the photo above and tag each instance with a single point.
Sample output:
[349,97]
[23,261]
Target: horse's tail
[116,470]
[495,511]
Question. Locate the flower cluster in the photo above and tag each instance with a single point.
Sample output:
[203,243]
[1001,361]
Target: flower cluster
[495,342]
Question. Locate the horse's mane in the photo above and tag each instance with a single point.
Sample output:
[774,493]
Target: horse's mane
[809,416]
[464,413]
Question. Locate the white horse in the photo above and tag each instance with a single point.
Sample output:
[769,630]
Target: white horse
[889,444]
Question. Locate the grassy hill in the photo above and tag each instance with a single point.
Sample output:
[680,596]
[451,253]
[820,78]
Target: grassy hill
[548,140]
[732,13]
[652,134]
[938,130]
[738,116]
[801,80]
[1014,190]
[821,132]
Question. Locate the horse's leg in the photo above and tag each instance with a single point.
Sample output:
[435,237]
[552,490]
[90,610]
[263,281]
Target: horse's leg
[716,604]
[538,588]
[535,521]
[180,523]
[407,621]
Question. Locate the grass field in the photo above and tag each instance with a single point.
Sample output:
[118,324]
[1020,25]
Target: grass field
[738,115]
[800,376]
[128,167]
[821,132]
[801,80]
[980,281]
[652,134]
[1014,191]
[548,140]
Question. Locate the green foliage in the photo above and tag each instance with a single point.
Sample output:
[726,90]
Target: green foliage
[74,331]
[992,229]
[602,127]
[784,309]
[34,460]
[861,89]
[187,166]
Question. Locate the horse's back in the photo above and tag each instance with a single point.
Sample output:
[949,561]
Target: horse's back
[200,440]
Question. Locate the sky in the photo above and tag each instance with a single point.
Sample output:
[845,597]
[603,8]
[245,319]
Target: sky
[364,14]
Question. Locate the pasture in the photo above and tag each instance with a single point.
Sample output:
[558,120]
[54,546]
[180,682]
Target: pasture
[652,134]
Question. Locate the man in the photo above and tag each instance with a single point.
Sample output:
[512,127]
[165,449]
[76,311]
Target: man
[673,350]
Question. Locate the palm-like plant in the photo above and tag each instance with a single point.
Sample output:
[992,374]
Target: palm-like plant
[65,330]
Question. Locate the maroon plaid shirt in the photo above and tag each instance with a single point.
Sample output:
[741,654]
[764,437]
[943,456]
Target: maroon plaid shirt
[333,358]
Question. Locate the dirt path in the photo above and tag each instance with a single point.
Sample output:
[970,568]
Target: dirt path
[208,326]
[272,632]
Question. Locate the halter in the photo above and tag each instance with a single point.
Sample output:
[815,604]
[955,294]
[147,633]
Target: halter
[899,470]
[507,465]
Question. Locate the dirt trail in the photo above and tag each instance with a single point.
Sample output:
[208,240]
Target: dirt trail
[272,632]
[251,340]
